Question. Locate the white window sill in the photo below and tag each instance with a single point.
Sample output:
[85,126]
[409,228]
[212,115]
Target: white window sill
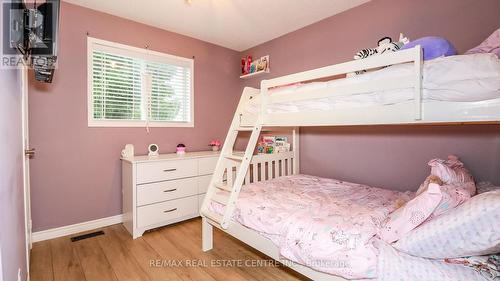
[142,124]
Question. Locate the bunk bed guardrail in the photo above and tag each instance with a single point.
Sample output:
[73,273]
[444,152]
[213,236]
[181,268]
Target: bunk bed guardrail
[262,167]
[413,55]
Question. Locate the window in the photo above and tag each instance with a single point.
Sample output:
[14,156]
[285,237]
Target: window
[133,87]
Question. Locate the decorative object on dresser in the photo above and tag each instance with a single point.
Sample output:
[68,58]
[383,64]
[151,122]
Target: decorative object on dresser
[128,151]
[180,149]
[153,150]
[165,189]
[215,144]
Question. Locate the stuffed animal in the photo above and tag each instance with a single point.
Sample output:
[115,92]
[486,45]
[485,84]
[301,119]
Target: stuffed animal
[430,179]
[399,203]
[384,45]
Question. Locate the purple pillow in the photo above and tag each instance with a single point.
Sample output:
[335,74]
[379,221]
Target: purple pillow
[433,47]
[490,45]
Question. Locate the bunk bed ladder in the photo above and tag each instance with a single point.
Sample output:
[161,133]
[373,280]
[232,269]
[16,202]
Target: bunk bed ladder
[221,189]
[223,192]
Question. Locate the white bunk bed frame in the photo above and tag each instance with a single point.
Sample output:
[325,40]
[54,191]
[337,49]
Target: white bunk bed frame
[234,169]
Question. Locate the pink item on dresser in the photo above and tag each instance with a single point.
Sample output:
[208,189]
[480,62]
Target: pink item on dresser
[322,223]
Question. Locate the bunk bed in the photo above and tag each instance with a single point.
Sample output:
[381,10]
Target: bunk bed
[311,98]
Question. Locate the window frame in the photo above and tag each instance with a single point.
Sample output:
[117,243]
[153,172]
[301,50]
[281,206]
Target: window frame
[136,53]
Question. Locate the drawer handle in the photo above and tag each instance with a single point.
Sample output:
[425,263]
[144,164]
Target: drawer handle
[169,170]
[171,210]
[170,190]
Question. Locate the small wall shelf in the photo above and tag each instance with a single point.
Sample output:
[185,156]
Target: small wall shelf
[262,63]
[257,73]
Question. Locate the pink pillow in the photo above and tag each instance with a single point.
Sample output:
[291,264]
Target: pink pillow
[431,203]
[490,45]
[458,187]
[452,171]
[411,215]
[452,196]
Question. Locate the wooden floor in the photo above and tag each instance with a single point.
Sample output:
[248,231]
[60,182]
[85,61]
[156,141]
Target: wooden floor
[175,249]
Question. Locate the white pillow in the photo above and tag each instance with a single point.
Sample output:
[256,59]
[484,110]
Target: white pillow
[470,229]
[393,265]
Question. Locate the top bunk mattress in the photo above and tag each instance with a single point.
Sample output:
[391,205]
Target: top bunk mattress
[461,78]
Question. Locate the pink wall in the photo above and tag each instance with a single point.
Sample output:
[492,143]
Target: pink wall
[12,230]
[396,156]
[392,156]
[76,172]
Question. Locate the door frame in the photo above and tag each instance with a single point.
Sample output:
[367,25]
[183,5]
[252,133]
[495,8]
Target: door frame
[26,164]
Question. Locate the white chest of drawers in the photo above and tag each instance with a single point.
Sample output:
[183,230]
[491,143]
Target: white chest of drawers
[166,189]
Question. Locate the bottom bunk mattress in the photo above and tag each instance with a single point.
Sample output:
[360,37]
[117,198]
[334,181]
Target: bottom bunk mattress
[325,224]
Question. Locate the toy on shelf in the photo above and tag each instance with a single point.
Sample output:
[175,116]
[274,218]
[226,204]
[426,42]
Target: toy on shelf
[263,63]
[249,66]
[282,144]
[253,67]
[246,64]
[273,144]
[261,148]
[181,149]
[269,149]
[215,144]
[269,142]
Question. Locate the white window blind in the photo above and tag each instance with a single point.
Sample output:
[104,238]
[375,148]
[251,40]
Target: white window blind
[130,86]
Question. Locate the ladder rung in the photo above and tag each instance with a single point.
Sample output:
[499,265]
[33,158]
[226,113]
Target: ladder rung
[220,198]
[211,215]
[245,129]
[222,186]
[234,157]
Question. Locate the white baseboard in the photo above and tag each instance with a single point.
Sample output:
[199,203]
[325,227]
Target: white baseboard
[75,228]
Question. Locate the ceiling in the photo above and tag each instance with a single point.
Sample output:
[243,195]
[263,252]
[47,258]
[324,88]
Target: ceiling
[235,24]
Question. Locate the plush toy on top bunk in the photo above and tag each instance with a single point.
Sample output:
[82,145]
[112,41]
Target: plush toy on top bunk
[385,45]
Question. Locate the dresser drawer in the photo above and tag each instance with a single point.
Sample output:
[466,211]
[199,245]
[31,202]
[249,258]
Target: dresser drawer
[166,170]
[201,197]
[206,166]
[203,182]
[167,211]
[166,190]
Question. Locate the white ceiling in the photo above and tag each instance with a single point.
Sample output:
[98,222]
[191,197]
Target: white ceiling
[235,24]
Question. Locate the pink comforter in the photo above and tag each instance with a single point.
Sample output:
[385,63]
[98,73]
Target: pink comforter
[322,223]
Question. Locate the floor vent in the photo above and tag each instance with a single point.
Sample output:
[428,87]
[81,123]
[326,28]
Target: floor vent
[88,235]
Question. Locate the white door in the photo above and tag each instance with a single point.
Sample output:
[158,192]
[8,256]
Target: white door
[28,152]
